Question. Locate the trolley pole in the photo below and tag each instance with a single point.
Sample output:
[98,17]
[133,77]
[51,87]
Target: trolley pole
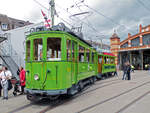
[52,5]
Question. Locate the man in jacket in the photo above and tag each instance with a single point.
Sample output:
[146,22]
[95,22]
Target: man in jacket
[128,71]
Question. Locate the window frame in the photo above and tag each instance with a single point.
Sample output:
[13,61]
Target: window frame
[88,50]
[28,57]
[57,58]
[81,53]
[37,52]
[69,55]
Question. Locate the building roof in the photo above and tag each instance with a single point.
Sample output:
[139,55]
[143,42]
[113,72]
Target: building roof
[12,22]
[114,35]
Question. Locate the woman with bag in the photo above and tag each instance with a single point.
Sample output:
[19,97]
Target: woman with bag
[5,75]
[22,79]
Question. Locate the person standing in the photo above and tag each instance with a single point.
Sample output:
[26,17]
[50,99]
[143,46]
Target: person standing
[22,79]
[128,71]
[117,70]
[124,71]
[5,75]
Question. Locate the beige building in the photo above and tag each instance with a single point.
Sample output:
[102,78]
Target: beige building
[8,23]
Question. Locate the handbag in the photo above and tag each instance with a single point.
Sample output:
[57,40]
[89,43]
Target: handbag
[9,83]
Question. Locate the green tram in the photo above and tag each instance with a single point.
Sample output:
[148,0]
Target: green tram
[58,62]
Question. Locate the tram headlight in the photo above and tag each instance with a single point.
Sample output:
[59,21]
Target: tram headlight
[36,77]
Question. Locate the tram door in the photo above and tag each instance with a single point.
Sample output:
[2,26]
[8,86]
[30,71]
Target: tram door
[74,63]
[100,64]
[37,67]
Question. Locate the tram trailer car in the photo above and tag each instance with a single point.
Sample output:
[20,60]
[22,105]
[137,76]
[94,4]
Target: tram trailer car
[106,65]
[59,63]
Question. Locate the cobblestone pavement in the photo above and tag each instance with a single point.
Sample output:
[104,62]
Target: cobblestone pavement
[112,95]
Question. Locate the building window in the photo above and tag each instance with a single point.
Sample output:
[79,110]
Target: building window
[146,39]
[124,45]
[135,42]
[4,26]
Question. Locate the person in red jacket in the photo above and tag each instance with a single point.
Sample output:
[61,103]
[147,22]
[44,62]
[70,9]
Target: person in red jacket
[22,79]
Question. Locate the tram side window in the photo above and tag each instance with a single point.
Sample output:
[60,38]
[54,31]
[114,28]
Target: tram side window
[87,55]
[68,50]
[108,60]
[100,59]
[105,60]
[81,54]
[28,51]
[73,51]
[92,57]
[38,49]
[112,60]
[53,49]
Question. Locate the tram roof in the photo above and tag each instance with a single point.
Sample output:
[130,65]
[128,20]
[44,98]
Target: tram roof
[60,32]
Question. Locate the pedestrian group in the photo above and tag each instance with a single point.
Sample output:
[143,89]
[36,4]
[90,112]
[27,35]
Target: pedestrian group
[5,82]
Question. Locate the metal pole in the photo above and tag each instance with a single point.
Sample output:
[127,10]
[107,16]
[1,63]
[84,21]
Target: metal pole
[101,46]
[52,4]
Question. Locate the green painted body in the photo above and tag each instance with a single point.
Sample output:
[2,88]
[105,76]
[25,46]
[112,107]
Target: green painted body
[63,73]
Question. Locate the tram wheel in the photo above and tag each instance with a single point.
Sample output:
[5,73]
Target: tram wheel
[54,97]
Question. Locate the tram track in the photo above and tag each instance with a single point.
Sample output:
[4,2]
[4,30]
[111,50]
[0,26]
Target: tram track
[111,82]
[133,102]
[65,101]
[21,108]
[114,97]
[77,95]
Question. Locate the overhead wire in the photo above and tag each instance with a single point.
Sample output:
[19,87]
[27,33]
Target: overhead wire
[81,11]
[108,18]
[91,27]
[55,13]
[141,3]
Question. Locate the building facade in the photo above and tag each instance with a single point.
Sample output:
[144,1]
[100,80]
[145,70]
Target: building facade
[135,48]
[8,23]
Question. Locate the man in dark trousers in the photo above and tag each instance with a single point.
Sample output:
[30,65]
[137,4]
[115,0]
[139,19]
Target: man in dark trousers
[128,71]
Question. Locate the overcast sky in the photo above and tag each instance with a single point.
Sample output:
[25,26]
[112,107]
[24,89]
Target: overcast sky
[122,15]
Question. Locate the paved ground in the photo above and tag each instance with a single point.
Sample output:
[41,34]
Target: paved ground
[107,96]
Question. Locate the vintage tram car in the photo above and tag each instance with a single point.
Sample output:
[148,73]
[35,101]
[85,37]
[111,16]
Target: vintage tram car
[60,62]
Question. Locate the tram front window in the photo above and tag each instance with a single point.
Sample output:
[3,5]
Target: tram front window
[53,49]
[38,49]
